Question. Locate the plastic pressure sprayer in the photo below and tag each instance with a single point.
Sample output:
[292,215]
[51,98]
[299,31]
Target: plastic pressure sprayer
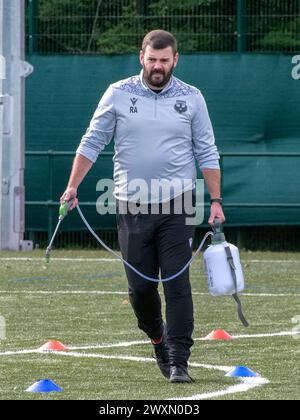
[223,269]
[221,260]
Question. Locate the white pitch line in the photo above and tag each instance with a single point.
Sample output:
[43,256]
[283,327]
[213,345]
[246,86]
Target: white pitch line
[214,367]
[110,346]
[17,352]
[281,334]
[245,336]
[246,385]
[102,356]
[62,292]
[82,259]
[110,292]
[271,261]
[142,342]
[257,294]
[270,294]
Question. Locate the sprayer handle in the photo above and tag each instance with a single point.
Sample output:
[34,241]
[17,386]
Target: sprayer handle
[217,226]
[65,208]
[217,223]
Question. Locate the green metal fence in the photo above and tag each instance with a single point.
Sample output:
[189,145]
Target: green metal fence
[275,238]
[117,27]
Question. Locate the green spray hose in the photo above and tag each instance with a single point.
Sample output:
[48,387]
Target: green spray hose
[217,234]
[63,212]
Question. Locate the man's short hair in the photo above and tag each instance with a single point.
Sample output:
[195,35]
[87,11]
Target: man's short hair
[160,39]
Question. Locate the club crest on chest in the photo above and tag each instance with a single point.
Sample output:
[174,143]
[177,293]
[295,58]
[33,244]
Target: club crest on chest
[180,107]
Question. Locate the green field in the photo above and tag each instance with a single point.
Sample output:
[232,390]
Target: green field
[63,301]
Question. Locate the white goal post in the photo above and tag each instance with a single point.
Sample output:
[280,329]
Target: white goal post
[13,71]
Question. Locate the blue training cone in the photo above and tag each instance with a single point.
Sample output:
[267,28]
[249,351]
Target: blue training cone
[242,372]
[44,385]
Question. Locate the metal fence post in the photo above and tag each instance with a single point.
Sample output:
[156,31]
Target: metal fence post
[222,171]
[50,206]
[32,25]
[241,26]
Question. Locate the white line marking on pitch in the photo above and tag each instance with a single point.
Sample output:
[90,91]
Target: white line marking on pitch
[281,334]
[142,342]
[110,346]
[110,292]
[82,259]
[246,385]
[271,261]
[245,336]
[17,352]
[63,292]
[271,294]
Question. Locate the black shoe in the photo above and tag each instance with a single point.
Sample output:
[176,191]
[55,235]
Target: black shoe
[180,374]
[161,356]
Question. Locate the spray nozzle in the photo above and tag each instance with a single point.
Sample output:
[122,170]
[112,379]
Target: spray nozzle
[218,236]
[63,212]
[47,255]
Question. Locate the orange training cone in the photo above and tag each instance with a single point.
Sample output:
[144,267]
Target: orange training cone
[219,335]
[53,346]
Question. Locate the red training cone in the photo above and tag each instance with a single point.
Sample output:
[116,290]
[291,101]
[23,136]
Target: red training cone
[219,335]
[53,346]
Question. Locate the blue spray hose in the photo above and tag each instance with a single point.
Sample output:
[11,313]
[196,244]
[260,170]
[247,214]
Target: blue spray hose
[99,240]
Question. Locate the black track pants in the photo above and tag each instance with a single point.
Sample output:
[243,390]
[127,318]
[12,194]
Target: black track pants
[153,243]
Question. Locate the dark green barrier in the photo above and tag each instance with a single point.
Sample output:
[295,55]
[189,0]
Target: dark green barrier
[254,106]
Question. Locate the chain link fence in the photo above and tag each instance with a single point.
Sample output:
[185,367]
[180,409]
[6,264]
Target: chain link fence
[118,26]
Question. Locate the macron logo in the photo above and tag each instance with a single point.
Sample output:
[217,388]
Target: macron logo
[133,108]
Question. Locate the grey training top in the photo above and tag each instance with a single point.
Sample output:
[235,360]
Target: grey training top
[157,137]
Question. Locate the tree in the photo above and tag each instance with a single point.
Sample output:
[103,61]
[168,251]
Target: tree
[118,26]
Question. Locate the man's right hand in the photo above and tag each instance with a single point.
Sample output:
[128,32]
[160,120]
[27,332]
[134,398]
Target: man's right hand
[69,194]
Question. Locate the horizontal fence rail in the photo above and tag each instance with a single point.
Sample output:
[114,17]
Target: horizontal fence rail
[118,27]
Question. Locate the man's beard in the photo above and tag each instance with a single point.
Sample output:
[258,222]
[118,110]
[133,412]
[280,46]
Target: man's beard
[160,82]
